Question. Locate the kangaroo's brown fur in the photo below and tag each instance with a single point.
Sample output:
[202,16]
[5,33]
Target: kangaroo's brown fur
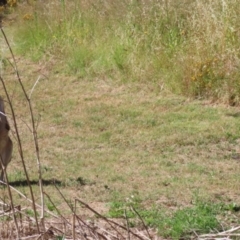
[6,145]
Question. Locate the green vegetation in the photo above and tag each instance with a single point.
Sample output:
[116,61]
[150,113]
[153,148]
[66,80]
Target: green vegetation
[115,79]
[200,218]
[190,47]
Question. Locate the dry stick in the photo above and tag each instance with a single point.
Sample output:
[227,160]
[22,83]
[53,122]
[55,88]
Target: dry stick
[56,229]
[109,233]
[126,217]
[8,212]
[30,237]
[227,237]
[227,233]
[22,195]
[217,236]
[110,222]
[50,231]
[142,221]
[76,215]
[92,229]
[57,208]
[65,220]
[65,200]
[83,204]
[35,84]
[46,233]
[20,149]
[10,196]
[234,229]
[79,223]
[92,233]
[82,231]
[34,131]
[74,221]
[38,162]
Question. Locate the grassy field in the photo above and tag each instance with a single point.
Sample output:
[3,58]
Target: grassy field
[134,105]
[189,46]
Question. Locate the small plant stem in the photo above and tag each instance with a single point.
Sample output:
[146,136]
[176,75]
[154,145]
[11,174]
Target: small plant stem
[93,229]
[110,222]
[74,221]
[21,152]
[22,195]
[57,208]
[11,198]
[18,136]
[126,217]
[145,227]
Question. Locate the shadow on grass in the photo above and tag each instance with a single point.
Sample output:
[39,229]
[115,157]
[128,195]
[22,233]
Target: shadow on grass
[24,183]
[235,115]
[47,182]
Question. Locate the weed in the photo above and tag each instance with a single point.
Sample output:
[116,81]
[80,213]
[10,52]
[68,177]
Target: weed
[60,237]
[118,207]
[29,212]
[200,218]
[192,47]
[111,120]
[206,78]
[50,207]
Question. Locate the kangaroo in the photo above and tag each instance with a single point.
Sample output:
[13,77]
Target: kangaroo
[6,145]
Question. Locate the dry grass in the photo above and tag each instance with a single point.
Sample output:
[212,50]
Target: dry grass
[103,141]
[105,137]
[128,139]
[191,47]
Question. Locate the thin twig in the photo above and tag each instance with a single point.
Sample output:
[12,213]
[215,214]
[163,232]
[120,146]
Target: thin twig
[227,233]
[57,208]
[35,84]
[126,217]
[65,200]
[74,220]
[108,233]
[11,198]
[2,113]
[20,149]
[34,135]
[110,222]
[29,200]
[8,212]
[145,227]
[79,223]
[30,237]
[92,229]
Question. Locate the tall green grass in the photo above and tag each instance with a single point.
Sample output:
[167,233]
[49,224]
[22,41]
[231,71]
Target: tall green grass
[191,47]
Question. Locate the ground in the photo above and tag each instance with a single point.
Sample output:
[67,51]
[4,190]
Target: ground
[103,140]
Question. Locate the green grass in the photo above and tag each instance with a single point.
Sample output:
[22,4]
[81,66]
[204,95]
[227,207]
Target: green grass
[201,217]
[110,123]
[190,47]
[159,145]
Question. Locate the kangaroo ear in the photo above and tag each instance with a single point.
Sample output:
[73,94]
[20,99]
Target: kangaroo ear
[7,126]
